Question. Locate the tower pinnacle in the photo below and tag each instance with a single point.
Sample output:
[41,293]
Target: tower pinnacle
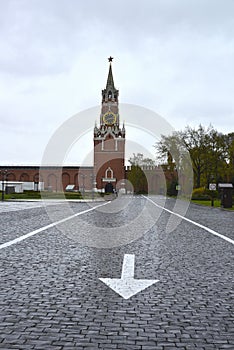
[110,93]
[110,81]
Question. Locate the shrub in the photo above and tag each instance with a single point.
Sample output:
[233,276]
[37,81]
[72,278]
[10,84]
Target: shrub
[203,193]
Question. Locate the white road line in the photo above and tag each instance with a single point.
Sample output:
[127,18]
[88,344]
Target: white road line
[193,222]
[30,234]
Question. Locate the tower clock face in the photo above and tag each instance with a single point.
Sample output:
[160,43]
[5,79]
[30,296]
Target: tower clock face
[109,118]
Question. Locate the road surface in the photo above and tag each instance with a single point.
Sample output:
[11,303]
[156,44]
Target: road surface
[53,260]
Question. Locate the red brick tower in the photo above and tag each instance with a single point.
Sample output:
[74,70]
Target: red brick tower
[109,141]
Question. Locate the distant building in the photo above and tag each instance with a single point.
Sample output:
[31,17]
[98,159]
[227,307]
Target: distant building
[109,141]
[108,172]
[109,152]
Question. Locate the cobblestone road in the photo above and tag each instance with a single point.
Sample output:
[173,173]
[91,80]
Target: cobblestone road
[51,296]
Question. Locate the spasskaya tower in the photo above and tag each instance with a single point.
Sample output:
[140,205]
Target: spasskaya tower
[109,140]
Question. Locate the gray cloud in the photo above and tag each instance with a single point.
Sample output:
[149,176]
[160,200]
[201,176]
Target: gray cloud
[175,57]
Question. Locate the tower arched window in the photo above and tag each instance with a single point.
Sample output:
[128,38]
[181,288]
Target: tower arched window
[109,94]
[109,173]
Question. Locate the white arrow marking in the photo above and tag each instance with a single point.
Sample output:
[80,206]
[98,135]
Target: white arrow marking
[127,286]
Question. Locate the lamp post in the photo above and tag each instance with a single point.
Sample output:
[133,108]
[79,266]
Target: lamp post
[92,184]
[213,189]
[4,176]
[83,188]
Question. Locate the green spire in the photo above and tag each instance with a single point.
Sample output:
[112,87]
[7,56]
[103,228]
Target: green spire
[110,81]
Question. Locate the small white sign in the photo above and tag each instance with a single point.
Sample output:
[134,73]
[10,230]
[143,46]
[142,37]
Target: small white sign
[212,187]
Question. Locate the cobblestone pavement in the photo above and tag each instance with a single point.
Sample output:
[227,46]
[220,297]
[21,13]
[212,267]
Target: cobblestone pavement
[6,207]
[51,296]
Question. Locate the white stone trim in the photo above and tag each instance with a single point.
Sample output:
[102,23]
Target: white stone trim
[106,173]
[108,179]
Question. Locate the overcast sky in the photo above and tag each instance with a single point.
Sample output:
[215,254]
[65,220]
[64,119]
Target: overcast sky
[175,57]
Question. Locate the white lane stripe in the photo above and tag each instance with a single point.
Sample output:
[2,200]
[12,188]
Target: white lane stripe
[193,222]
[30,234]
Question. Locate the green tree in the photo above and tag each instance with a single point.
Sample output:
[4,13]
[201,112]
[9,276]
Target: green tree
[209,151]
[176,163]
[136,174]
[171,150]
[197,142]
[140,160]
[138,180]
[229,139]
[215,157]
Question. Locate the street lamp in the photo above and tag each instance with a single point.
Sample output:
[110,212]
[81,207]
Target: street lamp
[92,184]
[83,188]
[212,190]
[4,176]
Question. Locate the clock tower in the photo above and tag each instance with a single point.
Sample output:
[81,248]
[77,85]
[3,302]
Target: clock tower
[109,141]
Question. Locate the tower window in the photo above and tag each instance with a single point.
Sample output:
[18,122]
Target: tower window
[109,173]
[109,94]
